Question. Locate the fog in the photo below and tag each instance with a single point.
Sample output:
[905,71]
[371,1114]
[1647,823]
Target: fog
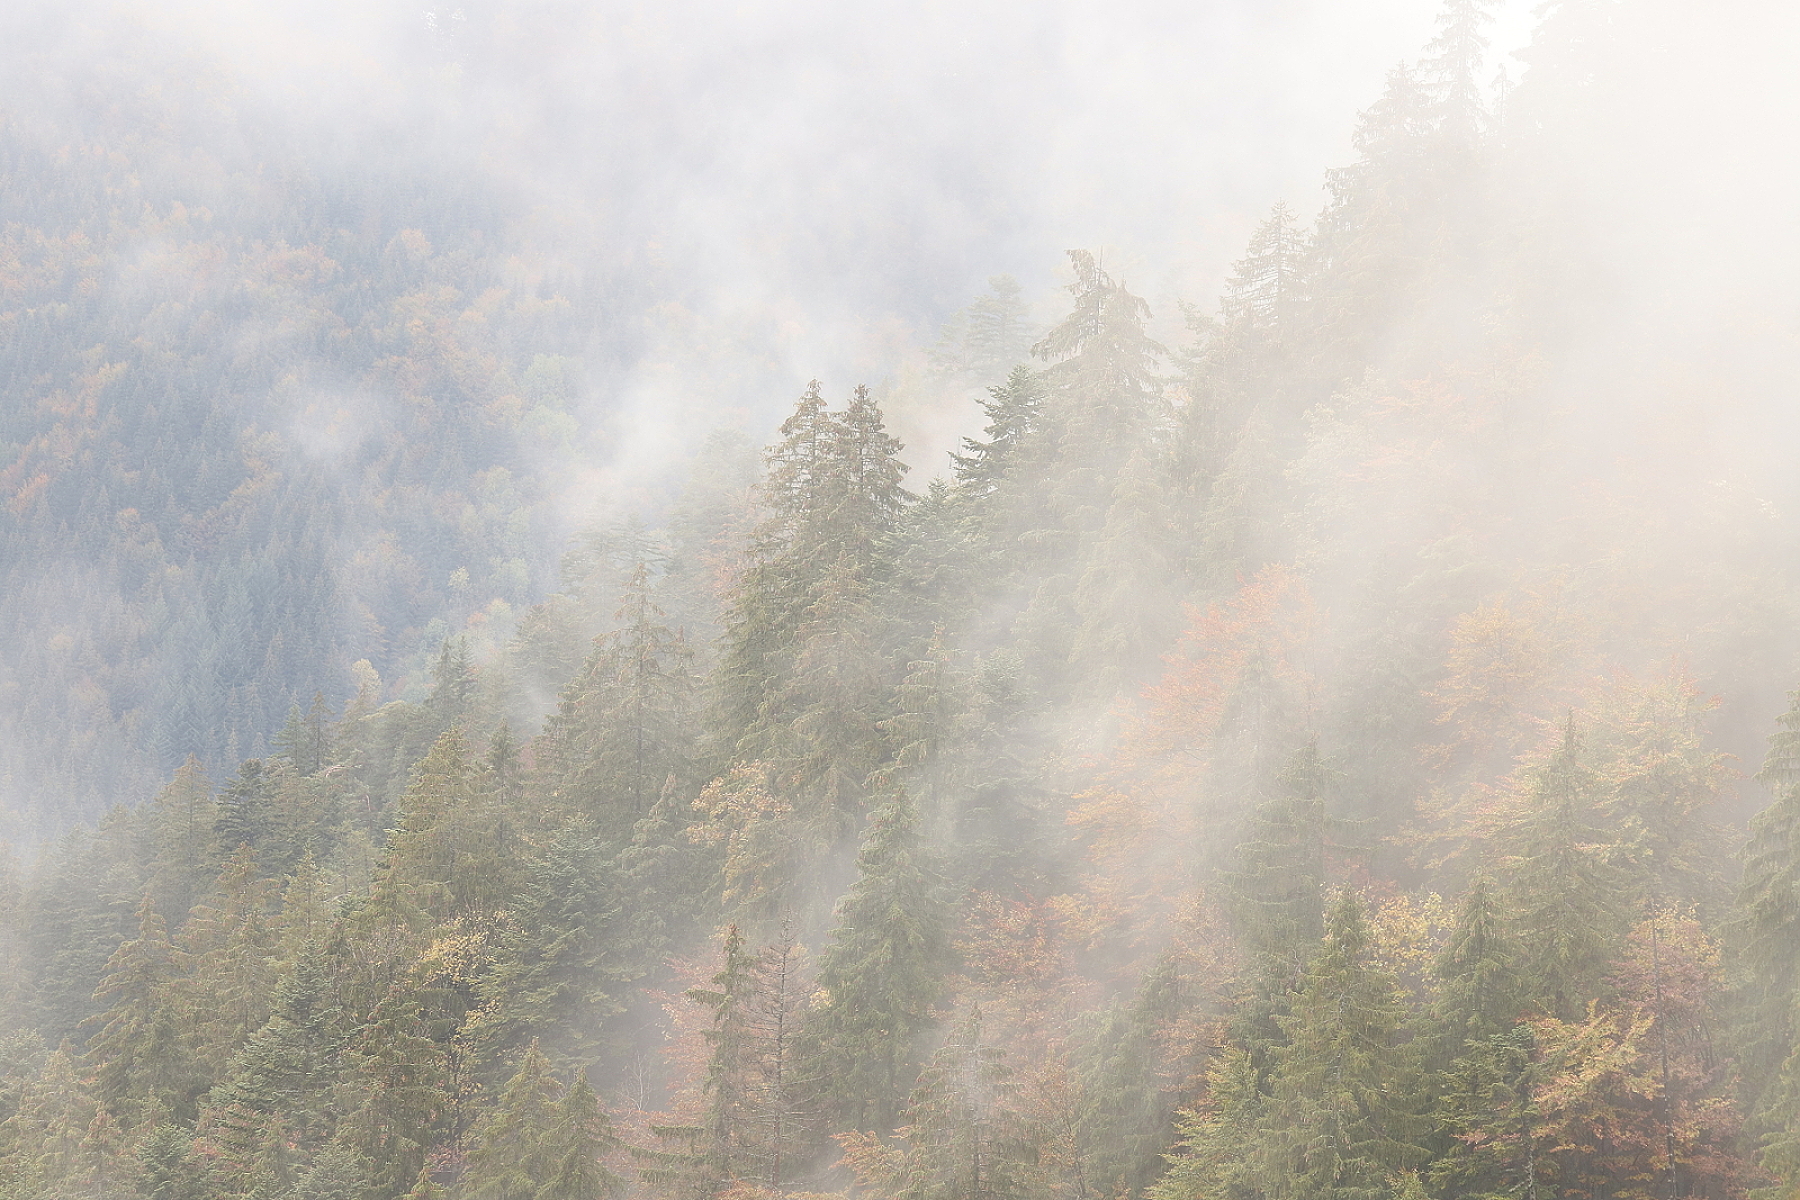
[904,590]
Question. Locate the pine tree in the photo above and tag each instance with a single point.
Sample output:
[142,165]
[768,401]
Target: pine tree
[1266,293]
[777,1113]
[1453,64]
[1128,1100]
[729,1060]
[990,337]
[182,839]
[1014,412]
[398,1093]
[882,974]
[557,971]
[41,1142]
[288,1068]
[1277,891]
[230,950]
[1209,1162]
[452,850]
[801,677]
[1483,994]
[1102,389]
[247,809]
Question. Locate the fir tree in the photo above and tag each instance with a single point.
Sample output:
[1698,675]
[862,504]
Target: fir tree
[288,1068]
[1277,891]
[624,724]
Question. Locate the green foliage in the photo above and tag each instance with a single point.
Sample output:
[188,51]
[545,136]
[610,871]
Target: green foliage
[882,975]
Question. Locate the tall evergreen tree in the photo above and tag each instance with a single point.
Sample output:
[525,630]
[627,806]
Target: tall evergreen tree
[800,680]
[965,1138]
[882,975]
[1564,892]
[510,1155]
[1765,928]
[1337,1125]
[143,1062]
[624,725]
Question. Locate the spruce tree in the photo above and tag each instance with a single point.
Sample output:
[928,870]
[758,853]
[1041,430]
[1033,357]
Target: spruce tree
[1765,929]
[965,1138]
[1276,891]
[142,1058]
[573,1147]
[1483,994]
[509,1155]
[1563,890]
[288,1068]
[882,975]
[557,971]
[624,725]
[1337,1126]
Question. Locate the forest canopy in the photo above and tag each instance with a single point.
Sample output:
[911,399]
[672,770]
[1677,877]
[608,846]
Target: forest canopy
[1327,743]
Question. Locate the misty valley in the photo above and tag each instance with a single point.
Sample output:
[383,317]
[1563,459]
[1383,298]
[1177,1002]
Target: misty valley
[1337,741]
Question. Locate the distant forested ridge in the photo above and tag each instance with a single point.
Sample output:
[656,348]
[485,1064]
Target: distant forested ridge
[268,404]
[1338,755]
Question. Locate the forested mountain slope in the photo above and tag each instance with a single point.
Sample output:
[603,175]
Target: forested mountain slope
[271,405]
[1310,759]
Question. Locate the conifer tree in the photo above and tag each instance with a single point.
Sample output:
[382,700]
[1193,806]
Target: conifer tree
[800,678]
[557,967]
[509,1158]
[287,1069]
[1277,891]
[1453,65]
[1765,928]
[41,1142]
[1266,293]
[623,728]
[729,1060]
[1337,1124]
[1209,1162]
[989,338]
[398,1080]
[1015,424]
[882,975]
[182,840]
[964,1136]
[247,809]
[451,849]
[230,951]
[142,1059]
[1102,389]
[1562,889]
[1483,994]
[1127,1107]
[574,1145]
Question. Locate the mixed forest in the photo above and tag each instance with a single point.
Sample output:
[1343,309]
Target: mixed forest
[1288,763]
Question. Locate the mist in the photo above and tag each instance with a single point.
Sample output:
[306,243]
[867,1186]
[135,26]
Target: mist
[906,601]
